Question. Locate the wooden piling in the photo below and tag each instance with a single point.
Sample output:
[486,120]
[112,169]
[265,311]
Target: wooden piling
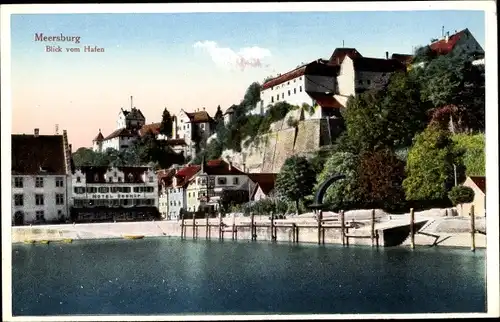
[194,226]
[342,227]
[372,230]
[412,228]
[234,228]
[297,234]
[472,229]
[252,226]
[293,232]
[182,225]
[272,227]
[320,214]
[206,225]
[220,226]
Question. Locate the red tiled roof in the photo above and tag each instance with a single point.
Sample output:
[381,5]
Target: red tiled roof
[221,167]
[377,65]
[199,117]
[443,47]
[121,133]
[42,154]
[480,182]
[325,100]
[405,59]
[95,174]
[339,54]
[185,174]
[99,137]
[265,181]
[318,67]
[153,127]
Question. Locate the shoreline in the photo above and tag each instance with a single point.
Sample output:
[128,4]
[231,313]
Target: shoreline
[439,231]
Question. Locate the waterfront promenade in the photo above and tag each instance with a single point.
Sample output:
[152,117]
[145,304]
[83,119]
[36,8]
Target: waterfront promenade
[439,230]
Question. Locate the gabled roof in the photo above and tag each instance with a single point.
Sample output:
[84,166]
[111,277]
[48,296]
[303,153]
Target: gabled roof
[339,54]
[185,174]
[443,47]
[153,127]
[377,65]
[265,181]
[121,133]
[325,100]
[95,174]
[135,114]
[221,167]
[230,110]
[318,67]
[99,137]
[404,59]
[42,154]
[199,117]
[480,182]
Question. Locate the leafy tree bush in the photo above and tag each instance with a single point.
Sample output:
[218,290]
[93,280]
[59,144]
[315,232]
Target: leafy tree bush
[380,178]
[460,194]
[474,156]
[430,163]
[296,180]
[344,193]
[166,124]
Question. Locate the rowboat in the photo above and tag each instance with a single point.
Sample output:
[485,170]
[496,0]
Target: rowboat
[133,236]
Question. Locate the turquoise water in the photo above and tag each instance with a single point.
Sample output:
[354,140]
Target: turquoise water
[172,276]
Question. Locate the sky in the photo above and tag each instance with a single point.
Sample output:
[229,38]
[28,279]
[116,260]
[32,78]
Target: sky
[187,60]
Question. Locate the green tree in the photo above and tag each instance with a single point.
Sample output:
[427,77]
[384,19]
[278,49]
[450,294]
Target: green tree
[84,157]
[380,178]
[342,194]
[166,124]
[219,116]
[296,180]
[459,195]
[430,165]
[474,156]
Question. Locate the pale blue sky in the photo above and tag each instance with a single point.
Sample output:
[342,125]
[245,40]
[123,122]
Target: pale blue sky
[153,58]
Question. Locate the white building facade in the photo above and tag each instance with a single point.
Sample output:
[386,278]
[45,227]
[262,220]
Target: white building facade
[115,193]
[41,184]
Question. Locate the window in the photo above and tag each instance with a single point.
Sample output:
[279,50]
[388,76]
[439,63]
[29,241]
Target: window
[126,189]
[282,95]
[18,182]
[103,189]
[221,181]
[39,200]
[39,182]
[288,92]
[78,179]
[119,179]
[136,189]
[59,182]
[288,83]
[295,91]
[360,82]
[300,78]
[59,199]
[110,179]
[115,174]
[295,80]
[300,88]
[236,180]
[18,200]
[272,99]
[39,215]
[278,97]
[151,179]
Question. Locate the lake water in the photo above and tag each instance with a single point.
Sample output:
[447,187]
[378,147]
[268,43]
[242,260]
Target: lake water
[172,276]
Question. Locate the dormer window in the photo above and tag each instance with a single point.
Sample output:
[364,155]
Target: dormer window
[130,177]
[110,179]
[151,179]
[78,179]
[119,179]
[115,174]
[96,177]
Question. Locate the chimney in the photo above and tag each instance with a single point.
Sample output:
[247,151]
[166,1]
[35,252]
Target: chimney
[230,165]
[37,132]
[447,36]
[386,55]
